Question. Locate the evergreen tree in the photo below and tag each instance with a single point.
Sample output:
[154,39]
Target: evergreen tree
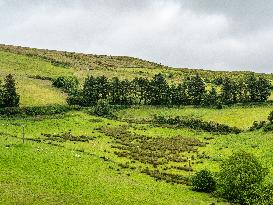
[229,92]
[264,88]
[102,87]
[115,91]
[10,96]
[178,95]
[196,89]
[212,97]
[174,96]
[242,91]
[252,87]
[158,91]
[126,95]
[141,87]
[89,92]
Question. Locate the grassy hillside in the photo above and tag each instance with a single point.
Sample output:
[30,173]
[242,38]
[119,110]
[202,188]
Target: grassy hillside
[120,66]
[78,158]
[33,91]
[76,172]
[29,65]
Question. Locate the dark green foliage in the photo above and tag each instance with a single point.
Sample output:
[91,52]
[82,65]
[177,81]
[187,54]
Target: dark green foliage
[126,97]
[102,108]
[115,91]
[229,92]
[257,125]
[89,93]
[67,83]
[258,88]
[267,126]
[178,95]
[217,81]
[242,93]
[251,82]
[203,181]
[211,97]
[240,176]
[264,89]
[76,98]
[9,95]
[196,124]
[196,89]
[158,92]
[140,88]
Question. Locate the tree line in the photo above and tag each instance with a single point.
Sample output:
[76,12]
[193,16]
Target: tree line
[157,91]
[8,94]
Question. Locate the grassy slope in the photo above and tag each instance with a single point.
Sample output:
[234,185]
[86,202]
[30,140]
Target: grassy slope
[76,171]
[42,174]
[238,116]
[27,62]
[33,91]
[74,178]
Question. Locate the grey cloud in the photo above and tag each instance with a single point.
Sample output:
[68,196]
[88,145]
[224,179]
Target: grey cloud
[212,34]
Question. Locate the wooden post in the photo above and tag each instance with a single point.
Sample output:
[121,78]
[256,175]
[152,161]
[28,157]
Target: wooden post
[23,134]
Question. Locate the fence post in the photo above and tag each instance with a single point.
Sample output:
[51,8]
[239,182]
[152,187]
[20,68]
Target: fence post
[23,134]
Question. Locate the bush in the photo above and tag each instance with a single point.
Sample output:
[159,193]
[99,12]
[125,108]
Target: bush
[102,108]
[241,175]
[203,181]
[257,125]
[67,83]
[196,124]
[270,117]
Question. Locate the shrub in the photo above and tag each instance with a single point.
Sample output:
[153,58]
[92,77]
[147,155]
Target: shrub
[67,83]
[203,181]
[102,108]
[268,127]
[257,125]
[196,124]
[240,176]
[270,117]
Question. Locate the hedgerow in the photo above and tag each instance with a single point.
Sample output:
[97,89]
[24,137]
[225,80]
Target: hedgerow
[265,126]
[196,124]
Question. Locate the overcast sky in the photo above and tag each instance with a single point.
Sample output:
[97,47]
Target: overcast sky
[208,34]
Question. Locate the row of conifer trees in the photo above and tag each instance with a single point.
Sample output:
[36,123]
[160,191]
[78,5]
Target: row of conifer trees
[157,91]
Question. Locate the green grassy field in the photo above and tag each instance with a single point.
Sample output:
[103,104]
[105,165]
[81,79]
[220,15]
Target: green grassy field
[79,158]
[238,116]
[69,173]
